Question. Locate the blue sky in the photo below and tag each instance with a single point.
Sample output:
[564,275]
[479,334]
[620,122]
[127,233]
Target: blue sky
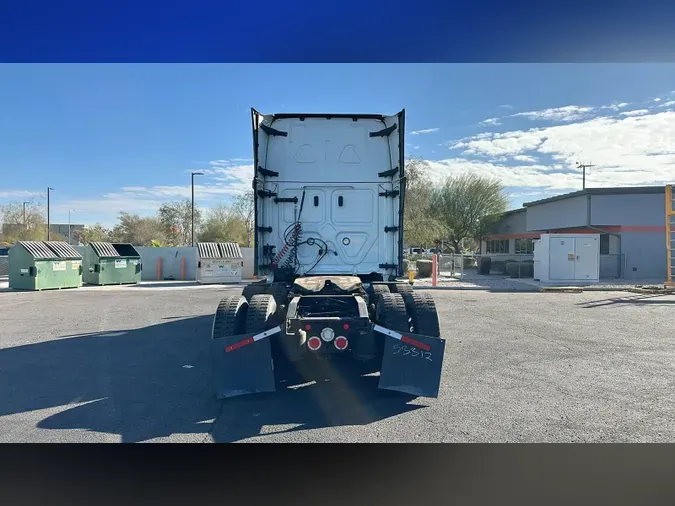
[125,137]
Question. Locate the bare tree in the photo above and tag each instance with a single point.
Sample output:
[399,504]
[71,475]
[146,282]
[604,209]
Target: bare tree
[466,203]
[420,225]
[134,229]
[97,233]
[23,222]
[176,219]
[242,207]
[222,224]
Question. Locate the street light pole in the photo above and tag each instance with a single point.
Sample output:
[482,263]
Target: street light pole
[49,188]
[193,205]
[25,225]
[69,236]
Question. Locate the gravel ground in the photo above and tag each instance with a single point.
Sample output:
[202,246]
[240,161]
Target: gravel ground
[132,365]
[501,283]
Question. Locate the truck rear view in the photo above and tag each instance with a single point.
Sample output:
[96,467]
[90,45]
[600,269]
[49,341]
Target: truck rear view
[329,205]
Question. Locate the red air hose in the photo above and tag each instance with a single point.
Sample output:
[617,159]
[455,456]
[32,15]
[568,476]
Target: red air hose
[285,248]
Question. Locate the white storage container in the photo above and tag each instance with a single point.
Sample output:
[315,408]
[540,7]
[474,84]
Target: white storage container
[566,258]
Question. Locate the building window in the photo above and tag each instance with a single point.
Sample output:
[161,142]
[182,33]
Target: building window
[604,244]
[498,246]
[524,246]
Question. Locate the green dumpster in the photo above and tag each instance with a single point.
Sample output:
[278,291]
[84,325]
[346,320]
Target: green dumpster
[44,265]
[107,263]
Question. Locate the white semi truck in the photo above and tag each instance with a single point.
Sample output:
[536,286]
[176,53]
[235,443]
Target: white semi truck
[329,206]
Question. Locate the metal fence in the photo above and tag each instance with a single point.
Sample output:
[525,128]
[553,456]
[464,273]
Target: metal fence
[516,266]
[613,266]
[468,264]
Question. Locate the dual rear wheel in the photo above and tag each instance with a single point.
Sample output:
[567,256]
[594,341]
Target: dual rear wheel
[237,315]
[408,312]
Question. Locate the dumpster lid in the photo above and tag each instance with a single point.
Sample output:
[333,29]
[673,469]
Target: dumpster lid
[230,250]
[125,249]
[38,249]
[208,250]
[62,249]
[104,249]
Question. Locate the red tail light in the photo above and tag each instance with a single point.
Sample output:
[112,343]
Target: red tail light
[341,343]
[314,343]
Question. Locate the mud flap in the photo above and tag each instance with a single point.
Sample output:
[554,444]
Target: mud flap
[243,364]
[411,363]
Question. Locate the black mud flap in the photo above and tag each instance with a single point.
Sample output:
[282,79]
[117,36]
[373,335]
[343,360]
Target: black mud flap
[411,363]
[243,364]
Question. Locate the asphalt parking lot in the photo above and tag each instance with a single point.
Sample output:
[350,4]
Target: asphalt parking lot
[132,365]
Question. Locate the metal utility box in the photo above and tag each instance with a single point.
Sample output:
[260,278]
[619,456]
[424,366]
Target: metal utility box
[44,265]
[219,262]
[564,258]
[107,263]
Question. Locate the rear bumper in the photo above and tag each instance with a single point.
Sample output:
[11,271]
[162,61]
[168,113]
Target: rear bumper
[357,329]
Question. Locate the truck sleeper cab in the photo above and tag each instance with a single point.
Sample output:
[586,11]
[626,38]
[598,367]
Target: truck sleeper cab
[329,205]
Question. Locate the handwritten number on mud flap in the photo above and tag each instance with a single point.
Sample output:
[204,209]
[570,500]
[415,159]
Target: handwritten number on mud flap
[401,348]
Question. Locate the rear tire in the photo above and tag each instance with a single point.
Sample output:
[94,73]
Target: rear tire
[230,317]
[261,313]
[374,291]
[378,289]
[279,292]
[390,312]
[401,288]
[261,316]
[423,315]
[254,289]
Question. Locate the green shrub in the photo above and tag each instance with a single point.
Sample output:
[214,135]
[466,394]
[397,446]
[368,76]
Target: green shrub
[423,268]
[520,270]
[485,265]
[505,269]
[498,266]
[470,263]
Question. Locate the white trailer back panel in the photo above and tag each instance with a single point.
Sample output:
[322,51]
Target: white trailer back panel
[349,169]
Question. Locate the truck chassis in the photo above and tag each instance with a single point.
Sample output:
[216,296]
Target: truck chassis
[384,324]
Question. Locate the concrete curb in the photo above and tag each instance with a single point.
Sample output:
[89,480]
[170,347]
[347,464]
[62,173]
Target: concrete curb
[561,289]
[478,289]
[550,289]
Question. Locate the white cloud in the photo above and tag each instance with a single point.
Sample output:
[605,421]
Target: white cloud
[616,107]
[222,178]
[634,150]
[506,106]
[542,193]
[425,131]
[657,100]
[525,158]
[636,112]
[180,191]
[530,176]
[567,113]
[231,161]
[21,194]
[669,103]
[509,143]
[490,122]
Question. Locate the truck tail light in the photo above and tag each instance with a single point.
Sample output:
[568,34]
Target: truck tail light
[341,343]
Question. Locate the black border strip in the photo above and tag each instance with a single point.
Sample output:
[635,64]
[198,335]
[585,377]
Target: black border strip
[541,474]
